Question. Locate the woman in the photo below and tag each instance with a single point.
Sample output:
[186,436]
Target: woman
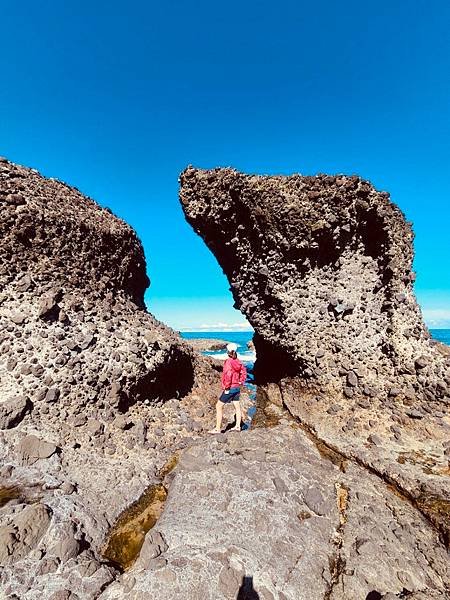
[234,375]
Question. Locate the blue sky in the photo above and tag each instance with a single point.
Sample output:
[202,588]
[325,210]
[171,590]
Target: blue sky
[117,98]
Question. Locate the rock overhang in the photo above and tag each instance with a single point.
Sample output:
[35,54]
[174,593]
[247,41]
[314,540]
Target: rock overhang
[322,268]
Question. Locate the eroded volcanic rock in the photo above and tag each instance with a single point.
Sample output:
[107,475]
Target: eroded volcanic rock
[74,327]
[322,268]
[95,393]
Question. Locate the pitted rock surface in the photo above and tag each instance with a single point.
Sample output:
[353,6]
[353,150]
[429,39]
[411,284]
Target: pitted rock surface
[322,268]
[74,329]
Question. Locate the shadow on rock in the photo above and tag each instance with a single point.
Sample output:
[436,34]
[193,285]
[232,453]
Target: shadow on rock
[246,591]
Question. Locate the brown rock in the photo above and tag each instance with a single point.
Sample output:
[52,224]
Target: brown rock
[31,448]
[23,533]
[13,411]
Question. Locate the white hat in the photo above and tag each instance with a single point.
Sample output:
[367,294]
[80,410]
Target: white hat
[231,348]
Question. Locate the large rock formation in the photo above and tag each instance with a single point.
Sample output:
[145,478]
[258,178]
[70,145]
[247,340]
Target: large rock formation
[74,326]
[322,268]
[95,394]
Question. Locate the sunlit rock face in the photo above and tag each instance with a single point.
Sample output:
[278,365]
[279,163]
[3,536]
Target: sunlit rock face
[266,515]
[73,322]
[321,267]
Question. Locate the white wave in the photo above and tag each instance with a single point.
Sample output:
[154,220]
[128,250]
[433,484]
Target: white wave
[243,356]
[221,356]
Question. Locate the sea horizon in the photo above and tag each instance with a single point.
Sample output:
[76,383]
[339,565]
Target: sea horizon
[242,337]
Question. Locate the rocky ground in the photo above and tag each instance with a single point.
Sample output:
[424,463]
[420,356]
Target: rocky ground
[268,507]
[207,344]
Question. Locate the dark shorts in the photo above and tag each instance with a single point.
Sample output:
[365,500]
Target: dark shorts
[232,396]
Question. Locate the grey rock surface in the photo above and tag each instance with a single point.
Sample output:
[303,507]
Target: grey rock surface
[266,505]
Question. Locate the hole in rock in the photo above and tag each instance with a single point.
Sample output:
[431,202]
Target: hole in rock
[173,379]
[374,596]
[272,363]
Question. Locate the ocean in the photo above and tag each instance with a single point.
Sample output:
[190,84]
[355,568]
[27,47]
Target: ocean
[248,356]
[442,335]
[241,338]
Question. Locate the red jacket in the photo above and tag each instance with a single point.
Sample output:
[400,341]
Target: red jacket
[234,373]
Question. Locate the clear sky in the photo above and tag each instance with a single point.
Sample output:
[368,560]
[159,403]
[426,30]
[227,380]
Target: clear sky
[117,98]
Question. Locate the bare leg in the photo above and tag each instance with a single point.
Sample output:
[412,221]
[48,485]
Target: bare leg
[219,415]
[237,408]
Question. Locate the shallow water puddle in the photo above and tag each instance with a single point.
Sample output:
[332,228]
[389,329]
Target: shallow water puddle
[128,533]
[264,416]
[169,466]
[438,511]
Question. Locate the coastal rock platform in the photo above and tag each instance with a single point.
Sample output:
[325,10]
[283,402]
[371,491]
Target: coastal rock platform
[267,515]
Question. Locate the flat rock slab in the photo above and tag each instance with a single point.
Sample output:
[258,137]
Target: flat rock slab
[264,511]
[20,534]
[207,344]
[31,449]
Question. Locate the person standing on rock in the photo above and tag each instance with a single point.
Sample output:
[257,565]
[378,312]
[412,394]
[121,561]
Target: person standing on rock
[233,377]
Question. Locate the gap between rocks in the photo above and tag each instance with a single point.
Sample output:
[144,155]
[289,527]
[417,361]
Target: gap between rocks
[336,561]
